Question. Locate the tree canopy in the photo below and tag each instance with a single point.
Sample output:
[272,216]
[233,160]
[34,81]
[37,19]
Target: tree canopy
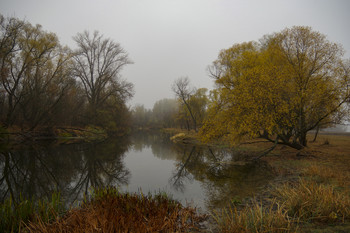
[43,83]
[97,64]
[193,103]
[279,89]
[35,74]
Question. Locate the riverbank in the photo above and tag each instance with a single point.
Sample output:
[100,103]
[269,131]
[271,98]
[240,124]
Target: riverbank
[311,191]
[16,135]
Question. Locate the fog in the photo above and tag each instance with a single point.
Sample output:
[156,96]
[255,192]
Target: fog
[167,39]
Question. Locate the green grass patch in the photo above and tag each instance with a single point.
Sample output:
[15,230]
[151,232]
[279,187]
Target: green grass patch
[15,215]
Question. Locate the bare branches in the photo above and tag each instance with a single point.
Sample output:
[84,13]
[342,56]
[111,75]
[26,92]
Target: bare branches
[98,63]
[38,77]
[183,92]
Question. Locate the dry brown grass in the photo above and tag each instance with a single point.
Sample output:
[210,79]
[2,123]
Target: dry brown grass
[327,175]
[255,218]
[295,205]
[313,202]
[111,211]
[312,190]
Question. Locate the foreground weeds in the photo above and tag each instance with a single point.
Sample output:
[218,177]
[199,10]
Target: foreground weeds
[14,215]
[111,211]
[313,202]
[255,218]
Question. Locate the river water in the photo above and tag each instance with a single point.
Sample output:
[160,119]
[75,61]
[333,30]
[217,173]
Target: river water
[149,162]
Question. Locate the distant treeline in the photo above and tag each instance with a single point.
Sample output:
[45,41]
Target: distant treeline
[174,113]
[43,83]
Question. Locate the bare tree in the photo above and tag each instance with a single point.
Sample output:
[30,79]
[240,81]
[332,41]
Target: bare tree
[98,63]
[183,92]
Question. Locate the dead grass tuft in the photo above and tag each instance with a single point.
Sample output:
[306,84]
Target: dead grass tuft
[111,211]
[255,218]
[313,202]
[327,175]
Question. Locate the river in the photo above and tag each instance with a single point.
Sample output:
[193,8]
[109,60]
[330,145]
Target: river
[201,176]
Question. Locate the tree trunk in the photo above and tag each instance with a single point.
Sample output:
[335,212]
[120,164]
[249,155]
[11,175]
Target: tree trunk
[192,116]
[188,125]
[9,119]
[302,139]
[317,130]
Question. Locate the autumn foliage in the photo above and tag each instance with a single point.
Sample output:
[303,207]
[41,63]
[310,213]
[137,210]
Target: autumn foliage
[288,84]
[45,84]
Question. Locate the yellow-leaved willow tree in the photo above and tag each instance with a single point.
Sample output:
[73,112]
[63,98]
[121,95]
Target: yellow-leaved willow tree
[288,84]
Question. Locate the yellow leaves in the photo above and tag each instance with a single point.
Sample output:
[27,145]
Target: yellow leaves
[289,85]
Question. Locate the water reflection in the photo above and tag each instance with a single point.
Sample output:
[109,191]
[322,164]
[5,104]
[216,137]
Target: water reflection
[35,171]
[220,172]
[223,177]
[160,143]
[150,161]
[101,165]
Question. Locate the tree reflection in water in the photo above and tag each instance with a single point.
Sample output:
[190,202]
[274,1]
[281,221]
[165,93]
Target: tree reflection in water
[101,165]
[37,170]
[212,175]
[222,177]
[182,171]
[220,171]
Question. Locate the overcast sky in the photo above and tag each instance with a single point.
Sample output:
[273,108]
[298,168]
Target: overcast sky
[167,39]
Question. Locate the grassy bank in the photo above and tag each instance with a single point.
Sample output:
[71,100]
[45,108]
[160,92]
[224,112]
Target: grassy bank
[311,191]
[64,134]
[303,206]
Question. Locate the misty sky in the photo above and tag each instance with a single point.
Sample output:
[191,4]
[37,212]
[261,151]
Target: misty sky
[167,39]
